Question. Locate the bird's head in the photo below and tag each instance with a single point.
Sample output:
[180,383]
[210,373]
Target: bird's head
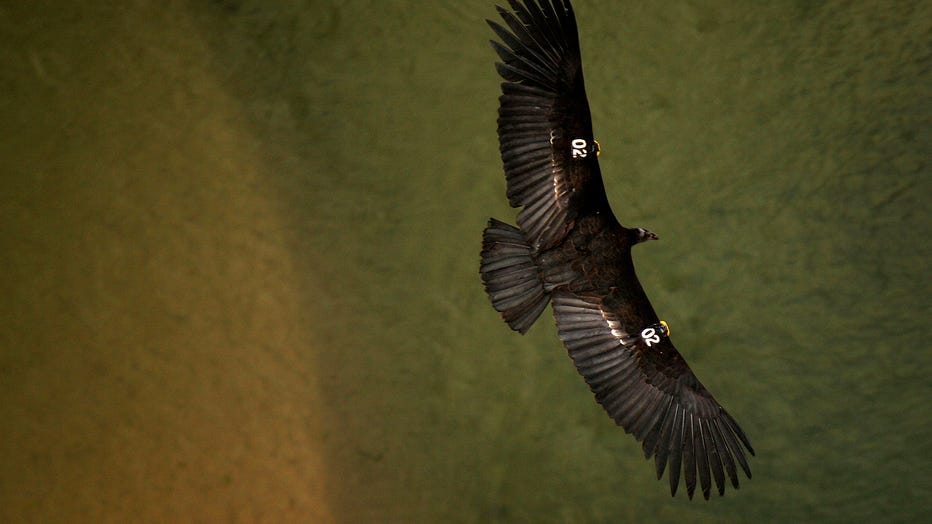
[643,235]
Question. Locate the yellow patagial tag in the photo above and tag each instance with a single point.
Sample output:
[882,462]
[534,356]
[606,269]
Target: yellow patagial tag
[598,147]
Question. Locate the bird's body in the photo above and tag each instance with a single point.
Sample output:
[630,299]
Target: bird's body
[569,250]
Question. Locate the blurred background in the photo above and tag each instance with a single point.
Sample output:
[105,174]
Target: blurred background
[240,261]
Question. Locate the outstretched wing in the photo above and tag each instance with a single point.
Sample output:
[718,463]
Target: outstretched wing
[544,125]
[646,387]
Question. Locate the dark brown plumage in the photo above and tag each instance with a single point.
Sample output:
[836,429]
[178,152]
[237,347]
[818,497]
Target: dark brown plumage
[571,251]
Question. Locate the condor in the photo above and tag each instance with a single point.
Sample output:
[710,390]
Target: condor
[569,250]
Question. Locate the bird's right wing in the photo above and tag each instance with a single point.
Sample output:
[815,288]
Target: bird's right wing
[646,386]
[544,124]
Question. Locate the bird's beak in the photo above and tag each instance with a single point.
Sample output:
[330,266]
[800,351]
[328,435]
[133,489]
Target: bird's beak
[652,236]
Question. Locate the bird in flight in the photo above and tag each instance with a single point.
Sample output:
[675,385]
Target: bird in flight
[568,249]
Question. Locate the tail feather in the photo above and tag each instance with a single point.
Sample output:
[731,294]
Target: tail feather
[511,276]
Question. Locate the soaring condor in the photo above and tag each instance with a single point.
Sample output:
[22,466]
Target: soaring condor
[571,251]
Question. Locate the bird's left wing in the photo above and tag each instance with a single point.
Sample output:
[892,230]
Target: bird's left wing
[648,389]
[544,124]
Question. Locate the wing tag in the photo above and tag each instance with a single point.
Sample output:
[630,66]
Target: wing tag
[652,333]
[582,148]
